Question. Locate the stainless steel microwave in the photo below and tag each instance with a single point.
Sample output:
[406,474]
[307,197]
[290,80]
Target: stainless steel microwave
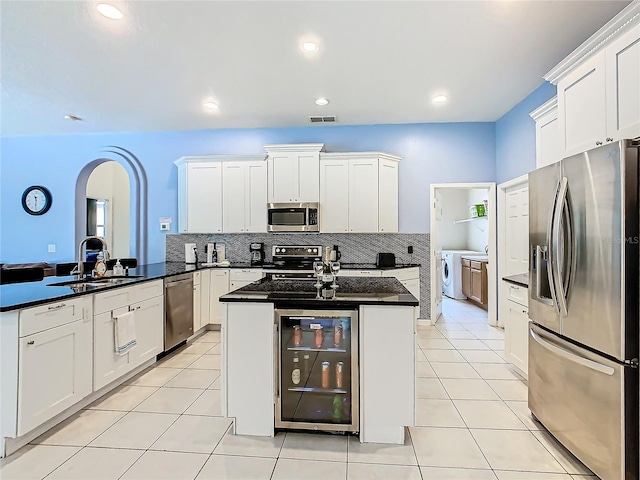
[293,217]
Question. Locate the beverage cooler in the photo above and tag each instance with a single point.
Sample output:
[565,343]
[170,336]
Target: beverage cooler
[317,381]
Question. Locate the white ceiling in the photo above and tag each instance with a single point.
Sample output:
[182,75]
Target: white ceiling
[379,62]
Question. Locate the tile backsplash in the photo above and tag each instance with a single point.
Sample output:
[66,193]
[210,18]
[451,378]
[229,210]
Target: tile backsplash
[355,248]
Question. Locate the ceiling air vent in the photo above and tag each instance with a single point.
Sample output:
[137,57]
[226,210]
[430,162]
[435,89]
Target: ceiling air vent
[327,119]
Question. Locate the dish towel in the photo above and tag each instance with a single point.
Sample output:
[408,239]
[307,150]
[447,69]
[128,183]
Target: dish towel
[125,332]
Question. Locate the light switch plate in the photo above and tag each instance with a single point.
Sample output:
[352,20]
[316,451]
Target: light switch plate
[51,248]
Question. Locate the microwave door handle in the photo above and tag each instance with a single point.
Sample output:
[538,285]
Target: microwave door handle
[558,212]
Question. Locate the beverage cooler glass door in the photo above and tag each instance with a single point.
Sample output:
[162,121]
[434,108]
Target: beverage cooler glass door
[317,383]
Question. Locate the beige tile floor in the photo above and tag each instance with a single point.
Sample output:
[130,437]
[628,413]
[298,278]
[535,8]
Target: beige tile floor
[472,416]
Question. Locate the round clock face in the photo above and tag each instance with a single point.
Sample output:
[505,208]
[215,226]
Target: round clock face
[36,200]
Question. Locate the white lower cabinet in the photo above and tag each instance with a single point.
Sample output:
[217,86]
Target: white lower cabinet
[107,364]
[241,277]
[218,286]
[54,365]
[515,313]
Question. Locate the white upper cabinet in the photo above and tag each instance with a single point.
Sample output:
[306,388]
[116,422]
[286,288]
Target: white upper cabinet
[294,172]
[622,59]
[358,192]
[548,147]
[599,86]
[244,197]
[210,202]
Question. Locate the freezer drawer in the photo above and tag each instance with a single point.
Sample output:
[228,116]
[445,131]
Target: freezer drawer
[580,398]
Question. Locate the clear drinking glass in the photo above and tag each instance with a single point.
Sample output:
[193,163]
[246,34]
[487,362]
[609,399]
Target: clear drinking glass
[335,268]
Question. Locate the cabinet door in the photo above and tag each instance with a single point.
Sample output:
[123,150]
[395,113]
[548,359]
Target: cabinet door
[517,230]
[197,312]
[283,177]
[205,300]
[548,146]
[204,197]
[476,285]
[219,286]
[55,370]
[107,365]
[255,216]
[149,330]
[233,193]
[413,286]
[466,281]
[581,106]
[334,196]
[516,331]
[388,196]
[363,196]
[623,86]
[308,177]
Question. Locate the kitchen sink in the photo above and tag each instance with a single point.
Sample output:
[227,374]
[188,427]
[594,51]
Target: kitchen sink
[94,282]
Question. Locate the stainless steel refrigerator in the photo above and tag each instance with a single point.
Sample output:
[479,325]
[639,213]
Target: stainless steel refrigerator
[583,305]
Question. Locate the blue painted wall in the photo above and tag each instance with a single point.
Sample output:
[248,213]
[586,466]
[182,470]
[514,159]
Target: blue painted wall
[516,136]
[432,153]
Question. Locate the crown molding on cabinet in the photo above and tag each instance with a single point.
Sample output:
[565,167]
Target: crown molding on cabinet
[545,108]
[613,29]
[220,158]
[295,147]
[358,155]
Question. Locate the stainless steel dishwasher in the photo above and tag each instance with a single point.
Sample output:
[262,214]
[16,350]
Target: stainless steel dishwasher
[178,307]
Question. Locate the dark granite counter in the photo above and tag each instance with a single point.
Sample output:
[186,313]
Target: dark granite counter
[521,279]
[352,291]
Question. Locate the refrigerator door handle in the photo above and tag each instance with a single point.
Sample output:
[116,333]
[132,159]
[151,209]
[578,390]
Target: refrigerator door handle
[558,210]
[585,362]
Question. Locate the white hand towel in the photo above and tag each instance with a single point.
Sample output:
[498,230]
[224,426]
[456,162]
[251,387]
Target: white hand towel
[125,332]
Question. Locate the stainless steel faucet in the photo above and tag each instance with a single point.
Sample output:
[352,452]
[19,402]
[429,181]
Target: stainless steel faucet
[79,268]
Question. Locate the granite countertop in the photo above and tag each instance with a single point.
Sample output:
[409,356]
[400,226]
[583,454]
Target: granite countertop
[21,295]
[521,279]
[351,291]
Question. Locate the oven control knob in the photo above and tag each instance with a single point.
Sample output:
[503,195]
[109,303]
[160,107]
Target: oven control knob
[283,250]
[309,250]
[277,250]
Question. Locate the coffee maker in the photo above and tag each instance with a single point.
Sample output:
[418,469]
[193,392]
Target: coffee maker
[257,253]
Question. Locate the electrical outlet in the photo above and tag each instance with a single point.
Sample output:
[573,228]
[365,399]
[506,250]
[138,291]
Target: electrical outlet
[410,249]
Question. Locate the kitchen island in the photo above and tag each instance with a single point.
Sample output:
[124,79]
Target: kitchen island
[377,320]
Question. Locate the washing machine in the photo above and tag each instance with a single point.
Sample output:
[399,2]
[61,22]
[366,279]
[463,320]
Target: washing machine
[452,272]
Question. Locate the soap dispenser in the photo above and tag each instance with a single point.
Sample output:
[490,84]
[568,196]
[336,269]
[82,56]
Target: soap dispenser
[118,269]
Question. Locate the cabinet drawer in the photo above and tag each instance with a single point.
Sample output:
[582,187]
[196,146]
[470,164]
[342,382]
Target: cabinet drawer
[475,265]
[402,274]
[518,294]
[360,273]
[466,263]
[121,297]
[51,315]
[246,274]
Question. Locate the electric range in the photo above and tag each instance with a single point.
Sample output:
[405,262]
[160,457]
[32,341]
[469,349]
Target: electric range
[294,261]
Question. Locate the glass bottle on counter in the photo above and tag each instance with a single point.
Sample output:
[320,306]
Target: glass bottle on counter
[327,276]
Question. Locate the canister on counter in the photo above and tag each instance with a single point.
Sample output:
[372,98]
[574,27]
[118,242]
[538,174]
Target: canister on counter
[339,372]
[297,335]
[325,374]
[337,335]
[319,337]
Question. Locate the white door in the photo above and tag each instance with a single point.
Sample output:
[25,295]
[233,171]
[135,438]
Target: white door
[388,196]
[107,364]
[436,252]
[363,196]
[283,177]
[255,216]
[54,372]
[334,196]
[581,106]
[623,86]
[204,197]
[149,330]
[233,197]
[517,230]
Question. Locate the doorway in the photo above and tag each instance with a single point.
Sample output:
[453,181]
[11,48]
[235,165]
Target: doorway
[463,250]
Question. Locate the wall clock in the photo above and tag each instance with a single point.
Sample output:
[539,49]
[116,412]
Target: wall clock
[36,200]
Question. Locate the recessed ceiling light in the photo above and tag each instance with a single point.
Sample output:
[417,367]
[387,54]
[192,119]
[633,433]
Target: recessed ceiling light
[310,47]
[439,99]
[109,11]
[321,101]
[72,118]
[211,105]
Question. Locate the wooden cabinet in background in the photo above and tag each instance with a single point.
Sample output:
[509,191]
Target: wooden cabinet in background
[466,277]
[474,281]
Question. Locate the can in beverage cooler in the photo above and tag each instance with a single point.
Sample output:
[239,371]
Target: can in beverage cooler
[325,374]
[339,372]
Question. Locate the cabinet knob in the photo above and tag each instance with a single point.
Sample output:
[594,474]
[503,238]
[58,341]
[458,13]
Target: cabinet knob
[31,342]
[609,139]
[524,311]
[598,142]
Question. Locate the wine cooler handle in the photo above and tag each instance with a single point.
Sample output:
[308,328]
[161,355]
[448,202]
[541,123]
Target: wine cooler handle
[276,356]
